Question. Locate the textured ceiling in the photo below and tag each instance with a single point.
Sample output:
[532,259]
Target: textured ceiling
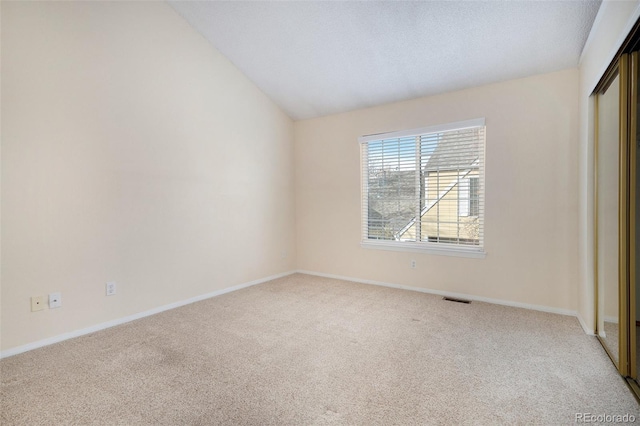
[317,58]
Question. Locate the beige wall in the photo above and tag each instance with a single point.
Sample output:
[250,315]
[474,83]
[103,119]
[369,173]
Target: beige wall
[132,151]
[612,24]
[531,193]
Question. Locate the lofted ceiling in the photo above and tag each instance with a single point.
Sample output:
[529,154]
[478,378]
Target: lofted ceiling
[315,58]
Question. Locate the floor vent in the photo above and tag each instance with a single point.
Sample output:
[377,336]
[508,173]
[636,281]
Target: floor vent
[453,299]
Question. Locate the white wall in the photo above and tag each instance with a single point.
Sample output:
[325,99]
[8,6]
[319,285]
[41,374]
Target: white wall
[613,23]
[132,151]
[531,193]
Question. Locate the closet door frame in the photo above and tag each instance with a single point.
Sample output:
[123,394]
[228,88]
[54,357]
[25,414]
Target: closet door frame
[601,89]
[626,69]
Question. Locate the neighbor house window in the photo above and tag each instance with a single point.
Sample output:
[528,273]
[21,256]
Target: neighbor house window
[474,196]
[423,189]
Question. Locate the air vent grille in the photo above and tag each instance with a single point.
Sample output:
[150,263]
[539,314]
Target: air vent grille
[453,299]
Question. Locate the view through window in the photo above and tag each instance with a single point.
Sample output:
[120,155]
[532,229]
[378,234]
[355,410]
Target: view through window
[425,186]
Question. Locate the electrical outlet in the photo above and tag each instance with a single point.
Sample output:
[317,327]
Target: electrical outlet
[111,288]
[55,300]
[413,264]
[283,254]
[38,303]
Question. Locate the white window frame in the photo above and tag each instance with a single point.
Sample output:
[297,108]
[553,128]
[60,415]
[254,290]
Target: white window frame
[422,246]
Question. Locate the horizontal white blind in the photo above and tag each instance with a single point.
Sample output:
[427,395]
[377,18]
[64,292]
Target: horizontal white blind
[439,128]
[425,187]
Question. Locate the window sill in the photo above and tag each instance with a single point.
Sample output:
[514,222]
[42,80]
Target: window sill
[427,248]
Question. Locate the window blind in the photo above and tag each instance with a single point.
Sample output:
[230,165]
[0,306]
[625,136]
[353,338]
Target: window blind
[425,186]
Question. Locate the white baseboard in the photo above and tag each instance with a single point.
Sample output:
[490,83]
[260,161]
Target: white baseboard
[448,294]
[611,319]
[588,330]
[118,321]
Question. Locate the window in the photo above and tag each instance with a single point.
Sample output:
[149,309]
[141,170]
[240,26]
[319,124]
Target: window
[474,196]
[423,189]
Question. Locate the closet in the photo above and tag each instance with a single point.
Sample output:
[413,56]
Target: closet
[617,210]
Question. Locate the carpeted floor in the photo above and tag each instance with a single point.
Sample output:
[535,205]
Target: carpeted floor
[309,350]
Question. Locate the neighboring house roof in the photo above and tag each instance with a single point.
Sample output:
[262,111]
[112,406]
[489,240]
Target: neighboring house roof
[375,217]
[453,154]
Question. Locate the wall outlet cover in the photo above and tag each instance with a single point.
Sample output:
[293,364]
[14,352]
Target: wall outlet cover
[38,303]
[55,300]
[111,288]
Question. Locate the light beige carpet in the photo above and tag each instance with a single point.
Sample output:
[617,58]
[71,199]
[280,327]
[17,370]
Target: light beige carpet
[308,350]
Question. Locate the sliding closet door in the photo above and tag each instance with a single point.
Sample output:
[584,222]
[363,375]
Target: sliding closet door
[616,204]
[608,172]
[617,209]
[633,294]
[607,214]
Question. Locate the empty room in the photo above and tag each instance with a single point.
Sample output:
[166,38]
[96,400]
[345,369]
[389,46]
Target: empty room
[319,212]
